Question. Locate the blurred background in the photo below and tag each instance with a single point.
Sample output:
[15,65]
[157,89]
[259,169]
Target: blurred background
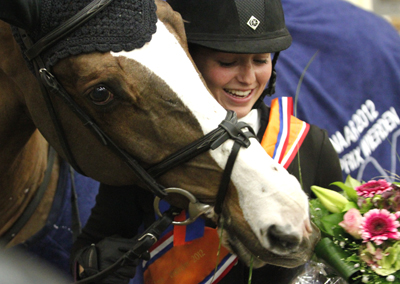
[345,56]
[389,9]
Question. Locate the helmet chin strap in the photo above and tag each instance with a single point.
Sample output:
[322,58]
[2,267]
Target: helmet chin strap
[270,90]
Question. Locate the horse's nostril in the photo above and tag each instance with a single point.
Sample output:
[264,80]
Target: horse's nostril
[283,238]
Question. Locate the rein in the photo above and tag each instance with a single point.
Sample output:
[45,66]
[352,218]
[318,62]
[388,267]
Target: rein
[229,128]
[143,242]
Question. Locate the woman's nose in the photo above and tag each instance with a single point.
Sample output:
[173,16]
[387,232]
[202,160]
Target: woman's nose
[246,74]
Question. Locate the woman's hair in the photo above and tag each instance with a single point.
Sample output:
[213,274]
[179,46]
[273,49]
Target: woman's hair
[193,48]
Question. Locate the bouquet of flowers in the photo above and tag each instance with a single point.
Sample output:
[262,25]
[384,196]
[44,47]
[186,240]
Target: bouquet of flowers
[360,230]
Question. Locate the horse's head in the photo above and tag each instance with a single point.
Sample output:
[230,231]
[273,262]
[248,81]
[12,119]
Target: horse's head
[152,102]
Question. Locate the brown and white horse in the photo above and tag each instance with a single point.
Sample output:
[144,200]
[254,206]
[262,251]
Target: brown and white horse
[157,103]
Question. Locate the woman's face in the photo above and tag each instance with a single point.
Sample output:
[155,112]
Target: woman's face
[235,80]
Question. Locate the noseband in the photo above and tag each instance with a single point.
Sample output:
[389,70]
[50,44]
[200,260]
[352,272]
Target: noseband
[229,128]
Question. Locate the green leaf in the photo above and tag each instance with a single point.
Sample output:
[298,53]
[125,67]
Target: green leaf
[353,258]
[335,257]
[339,184]
[351,194]
[352,182]
[331,224]
[317,212]
[350,205]
[385,271]
[365,207]
[334,219]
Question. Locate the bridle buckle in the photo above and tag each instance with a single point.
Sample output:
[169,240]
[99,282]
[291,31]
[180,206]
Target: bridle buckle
[195,208]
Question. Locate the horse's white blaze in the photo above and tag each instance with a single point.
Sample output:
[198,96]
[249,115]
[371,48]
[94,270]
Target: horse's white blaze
[164,56]
[267,196]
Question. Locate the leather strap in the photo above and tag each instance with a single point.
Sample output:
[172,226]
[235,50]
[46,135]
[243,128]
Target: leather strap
[143,244]
[229,128]
[241,140]
[76,225]
[226,177]
[33,204]
[39,65]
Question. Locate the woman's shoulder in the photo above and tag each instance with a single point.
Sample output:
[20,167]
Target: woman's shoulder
[318,146]
[317,134]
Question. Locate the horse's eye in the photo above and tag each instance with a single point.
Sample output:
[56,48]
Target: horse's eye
[101,96]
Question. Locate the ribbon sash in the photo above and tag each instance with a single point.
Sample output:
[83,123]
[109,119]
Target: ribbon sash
[194,262]
[285,133]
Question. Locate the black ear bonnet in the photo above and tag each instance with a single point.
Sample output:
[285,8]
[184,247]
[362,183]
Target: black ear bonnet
[122,25]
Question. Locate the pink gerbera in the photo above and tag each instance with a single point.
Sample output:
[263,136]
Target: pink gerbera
[380,225]
[373,187]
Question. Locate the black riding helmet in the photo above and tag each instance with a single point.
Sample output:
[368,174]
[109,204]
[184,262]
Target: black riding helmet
[236,26]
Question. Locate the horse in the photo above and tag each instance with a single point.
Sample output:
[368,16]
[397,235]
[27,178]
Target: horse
[152,102]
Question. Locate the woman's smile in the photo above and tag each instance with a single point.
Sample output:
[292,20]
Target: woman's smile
[238,93]
[235,80]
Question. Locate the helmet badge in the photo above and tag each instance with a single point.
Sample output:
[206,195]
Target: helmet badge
[253,22]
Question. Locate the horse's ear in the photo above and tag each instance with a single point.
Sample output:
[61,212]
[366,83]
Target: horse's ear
[21,13]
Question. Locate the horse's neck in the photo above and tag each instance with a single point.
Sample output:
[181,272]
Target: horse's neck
[23,155]
[19,184]
[23,150]
[20,177]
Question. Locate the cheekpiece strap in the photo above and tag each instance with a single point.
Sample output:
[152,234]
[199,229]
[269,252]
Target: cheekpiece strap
[233,131]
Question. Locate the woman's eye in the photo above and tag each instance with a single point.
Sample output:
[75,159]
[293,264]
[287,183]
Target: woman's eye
[261,61]
[101,96]
[226,64]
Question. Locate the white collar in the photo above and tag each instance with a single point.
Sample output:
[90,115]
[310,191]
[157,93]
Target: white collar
[253,119]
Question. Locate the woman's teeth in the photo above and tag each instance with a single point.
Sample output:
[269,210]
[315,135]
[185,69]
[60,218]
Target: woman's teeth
[236,93]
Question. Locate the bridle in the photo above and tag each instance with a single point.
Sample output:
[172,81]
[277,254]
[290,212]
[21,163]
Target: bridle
[229,128]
